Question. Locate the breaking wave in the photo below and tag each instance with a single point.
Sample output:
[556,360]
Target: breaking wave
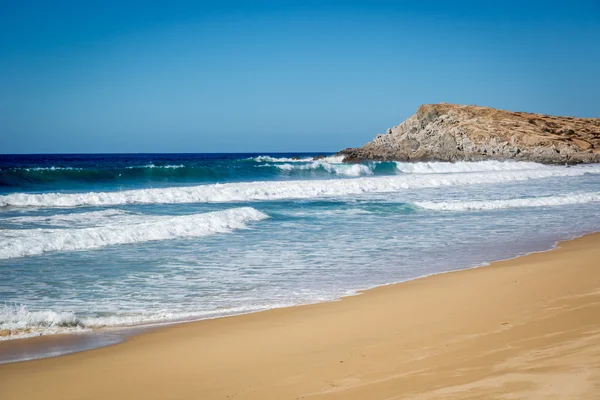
[330,164]
[327,159]
[337,169]
[279,190]
[30,242]
[279,159]
[464,166]
[574,198]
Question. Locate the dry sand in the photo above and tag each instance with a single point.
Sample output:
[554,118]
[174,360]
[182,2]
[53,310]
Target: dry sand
[527,328]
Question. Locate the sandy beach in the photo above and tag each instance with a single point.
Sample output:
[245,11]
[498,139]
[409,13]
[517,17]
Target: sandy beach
[527,328]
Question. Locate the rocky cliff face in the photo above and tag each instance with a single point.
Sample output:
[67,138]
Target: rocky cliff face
[447,132]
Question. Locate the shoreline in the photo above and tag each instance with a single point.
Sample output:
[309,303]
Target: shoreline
[495,324]
[39,347]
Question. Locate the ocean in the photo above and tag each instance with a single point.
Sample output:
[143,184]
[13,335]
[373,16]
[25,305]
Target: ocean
[98,242]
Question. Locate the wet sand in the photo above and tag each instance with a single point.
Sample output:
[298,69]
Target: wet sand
[527,328]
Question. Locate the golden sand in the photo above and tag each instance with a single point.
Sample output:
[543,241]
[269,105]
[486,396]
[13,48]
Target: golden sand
[527,328]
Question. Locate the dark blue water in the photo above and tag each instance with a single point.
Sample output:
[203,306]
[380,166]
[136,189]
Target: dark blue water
[125,171]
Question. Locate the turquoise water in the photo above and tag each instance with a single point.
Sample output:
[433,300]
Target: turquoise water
[110,241]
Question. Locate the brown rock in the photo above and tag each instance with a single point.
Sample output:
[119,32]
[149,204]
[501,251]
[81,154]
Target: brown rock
[583,145]
[448,132]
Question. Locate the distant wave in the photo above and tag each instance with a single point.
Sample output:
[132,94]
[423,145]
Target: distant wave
[237,170]
[278,190]
[329,159]
[42,169]
[574,198]
[331,164]
[30,242]
[65,176]
[49,177]
[156,166]
[337,169]
[54,168]
[260,159]
[463,166]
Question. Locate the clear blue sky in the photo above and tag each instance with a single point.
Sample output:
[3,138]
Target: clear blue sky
[252,76]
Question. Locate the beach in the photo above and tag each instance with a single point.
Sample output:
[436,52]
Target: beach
[522,328]
[299,200]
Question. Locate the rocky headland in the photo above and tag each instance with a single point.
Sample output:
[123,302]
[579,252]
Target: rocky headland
[449,132]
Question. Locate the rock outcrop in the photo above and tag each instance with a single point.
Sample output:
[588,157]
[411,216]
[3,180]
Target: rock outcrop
[448,132]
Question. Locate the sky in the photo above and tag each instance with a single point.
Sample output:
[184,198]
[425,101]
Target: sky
[278,76]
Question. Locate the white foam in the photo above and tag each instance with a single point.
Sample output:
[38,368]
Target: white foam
[23,322]
[333,159]
[463,166]
[157,166]
[338,169]
[18,317]
[574,198]
[29,242]
[279,159]
[279,190]
[53,168]
[328,159]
